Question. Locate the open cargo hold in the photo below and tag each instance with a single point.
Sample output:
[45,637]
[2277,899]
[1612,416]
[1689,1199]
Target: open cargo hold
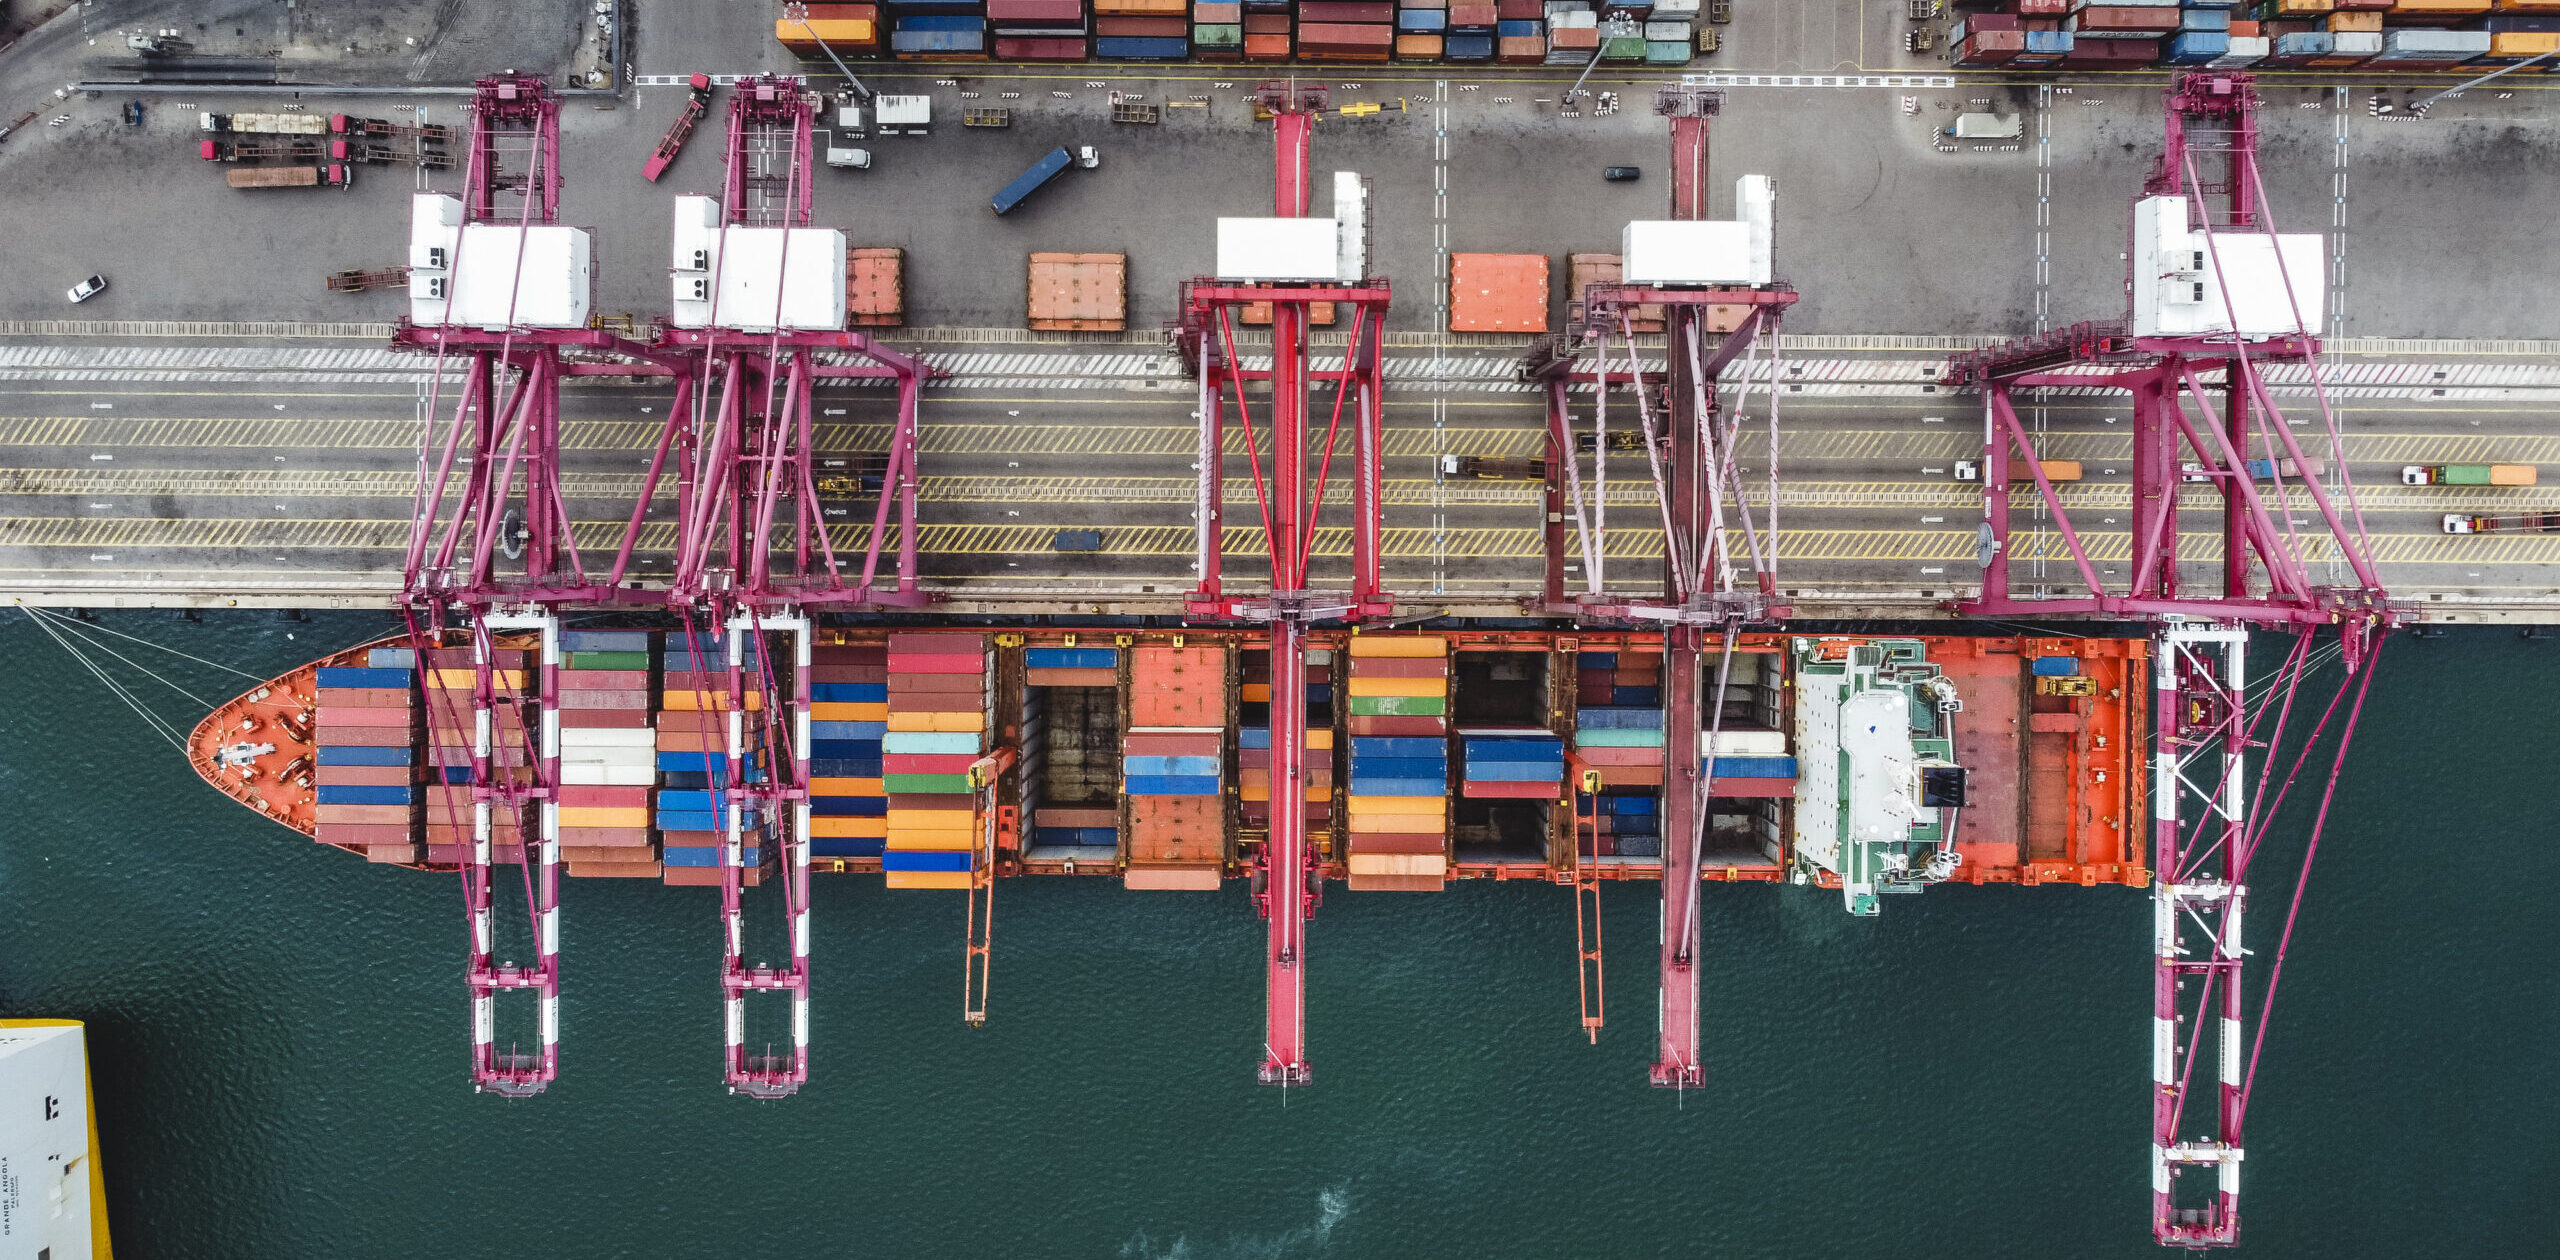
[1079,292]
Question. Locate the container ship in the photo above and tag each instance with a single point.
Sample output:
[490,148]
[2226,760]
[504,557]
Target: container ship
[935,758]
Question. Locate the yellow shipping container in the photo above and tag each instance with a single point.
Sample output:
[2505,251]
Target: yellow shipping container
[1399,804]
[931,841]
[1399,686]
[941,723]
[2440,8]
[927,879]
[841,34]
[2524,43]
[1415,824]
[846,787]
[1399,864]
[1398,645]
[2529,6]
[922,820]
[838,828]
[451,679]
[1141,8]
[1321,738]
[2368,21]
[2303,8]
[603,816]
[1250,792]
[843,711]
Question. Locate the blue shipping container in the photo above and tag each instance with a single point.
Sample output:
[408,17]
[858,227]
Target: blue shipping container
[604,640]
[402,659]
[849,693]
[1422,21]
[335,755]
[924,859]
[1136,767]
[1399,767]
[2205,20]
[1141,48]
[1172,785]
[2053,43]
[1514,771]
[1029,182]
[844,768]
[1395,746]
[1754,767]
[2195,48]
[1361,786]
[1467,48]
[364,679]
[350,794]
[1616,719]
[845,846]
[1518,29]
[1071,658]
[2056,666]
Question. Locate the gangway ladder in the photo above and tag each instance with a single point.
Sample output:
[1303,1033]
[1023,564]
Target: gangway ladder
[1583,785]
[995,826]
[511,1073]
[785,787]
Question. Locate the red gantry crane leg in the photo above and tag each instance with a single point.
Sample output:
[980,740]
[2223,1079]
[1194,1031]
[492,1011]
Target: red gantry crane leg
[2217,294]
[1290,504]
[500,292]
[1692,443]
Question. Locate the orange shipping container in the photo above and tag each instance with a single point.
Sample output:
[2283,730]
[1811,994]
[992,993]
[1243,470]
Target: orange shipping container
[1266,48]
[1498,293]
[1418,47]
[1170,686]
[875,288]
[1259,314]
[1141,8]
[1079,292]
[843,36]
[1177,829]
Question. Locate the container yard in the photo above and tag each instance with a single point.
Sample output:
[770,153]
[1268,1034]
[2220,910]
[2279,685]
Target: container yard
[1433,457]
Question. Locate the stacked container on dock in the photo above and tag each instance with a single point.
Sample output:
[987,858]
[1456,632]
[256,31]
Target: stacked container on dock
[1520,36]
[1141,30]
[1498,293]
[1217,30]
[1038,30]
[1079,292]
[851,30]
[1268,30]
[449,680]
[875,288]
[1173,766]
[848,722]
[938,30]
[365,770]
[608,756]
[1399,801]
[1344,30]
[937,716]
[693,803]
[1573,33]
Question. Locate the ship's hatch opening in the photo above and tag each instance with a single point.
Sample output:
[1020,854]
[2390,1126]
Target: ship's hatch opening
[1071,772]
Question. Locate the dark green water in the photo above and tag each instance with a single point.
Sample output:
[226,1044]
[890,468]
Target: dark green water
[278,1039]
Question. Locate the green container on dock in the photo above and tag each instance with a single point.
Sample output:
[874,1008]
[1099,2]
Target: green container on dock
[2465,475]
[1399,706]
[1217,37]
[903,784]
[1658,53]
[1622,48]
[607,660]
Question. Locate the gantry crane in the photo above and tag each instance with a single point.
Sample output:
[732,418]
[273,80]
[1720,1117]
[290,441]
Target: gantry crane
[500,286]
[2216,295]
[1721,301]
[1290,261]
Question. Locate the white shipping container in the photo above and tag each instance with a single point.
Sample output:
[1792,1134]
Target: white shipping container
[903,111]
[606,737]
[1750,744]
[1686,253]
[589,774]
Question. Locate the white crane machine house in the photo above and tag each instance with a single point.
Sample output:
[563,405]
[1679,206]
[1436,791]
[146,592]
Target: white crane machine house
[754,279]
[494,275]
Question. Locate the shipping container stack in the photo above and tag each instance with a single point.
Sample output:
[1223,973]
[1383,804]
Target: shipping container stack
[1253,743]
[1422,28]
[1504,293]
[2391,35]
[1270,30]
[1503,763]
[1618,731]
[694,776]
[1173,760]
[848,724]
[1520,36]
[1621,37]
[1141,30]
[1217,30]
[1399,800]
[938,30]
[852,30]
[938,704]
[1573,33]
[608,754]
[446,691]
[1074,757]
[875,288]
[1038,30]
[365,759]
[1352,30]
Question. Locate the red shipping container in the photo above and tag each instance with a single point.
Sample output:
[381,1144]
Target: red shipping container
[1271,47]
[927,763]
[1522,50]
[624,837]
[1521,10]
[849,654]
[1399,667]
[1034,12]
[971,664]
[1620,756]
[1346,11]
[1755,789]
[364,736]
[604,699]
[1471,14]
[1266,24]
[342,718]
[825,673]
[614,870]
[1071,677]
[1171,744]
[367,697]
[844,13]
[392,815]
[604,719]
[1398,842]
[1138,27]
[604,679]
[589,795]
[1054,816]
[456,854]
[363,833]
[1367,725]
[690,720]
[1482,790]
[931,644]
[1344,37]
[392,854]
[935,685]
[1226,13]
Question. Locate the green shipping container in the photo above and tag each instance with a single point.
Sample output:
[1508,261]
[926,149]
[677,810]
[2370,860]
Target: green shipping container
[1666,54]
[607,660]
[1217,37]
[1622,48]
[903,784]
[1619,739]
[1399,706]
[2466,474]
